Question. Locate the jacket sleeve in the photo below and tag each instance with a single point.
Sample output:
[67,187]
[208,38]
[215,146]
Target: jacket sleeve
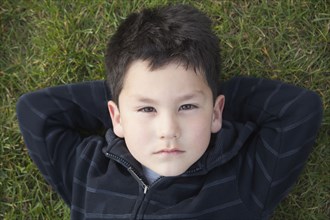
[55,121]
[287,119]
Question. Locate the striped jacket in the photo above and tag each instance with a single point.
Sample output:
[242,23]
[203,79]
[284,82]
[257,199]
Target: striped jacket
[268,131]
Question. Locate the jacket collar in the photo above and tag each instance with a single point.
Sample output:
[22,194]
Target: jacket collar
[223,147]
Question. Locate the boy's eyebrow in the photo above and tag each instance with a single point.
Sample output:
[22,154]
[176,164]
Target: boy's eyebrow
[189,96]
[145,99]
[194,94]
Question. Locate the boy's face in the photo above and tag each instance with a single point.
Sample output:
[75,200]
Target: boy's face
[166,116]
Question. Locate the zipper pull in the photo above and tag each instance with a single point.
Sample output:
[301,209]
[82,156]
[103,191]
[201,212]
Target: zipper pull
[139,180]
[145,190]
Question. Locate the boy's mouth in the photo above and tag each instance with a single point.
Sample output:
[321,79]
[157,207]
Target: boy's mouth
[172,151]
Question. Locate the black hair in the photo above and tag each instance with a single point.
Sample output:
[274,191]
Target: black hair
[173,33]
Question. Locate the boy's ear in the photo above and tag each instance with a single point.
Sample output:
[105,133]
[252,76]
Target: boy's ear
[217,114]
[116,120]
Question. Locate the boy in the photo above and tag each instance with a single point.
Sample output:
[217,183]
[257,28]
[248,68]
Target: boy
[171,149]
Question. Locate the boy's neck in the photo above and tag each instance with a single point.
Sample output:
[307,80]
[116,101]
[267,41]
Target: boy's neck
[150,175]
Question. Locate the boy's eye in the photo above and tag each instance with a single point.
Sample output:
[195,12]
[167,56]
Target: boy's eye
[147,109]
[187,107]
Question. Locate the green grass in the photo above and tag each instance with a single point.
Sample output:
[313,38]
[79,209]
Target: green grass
[45,43]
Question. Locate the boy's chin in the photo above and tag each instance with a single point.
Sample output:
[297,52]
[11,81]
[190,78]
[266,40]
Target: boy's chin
[169,172]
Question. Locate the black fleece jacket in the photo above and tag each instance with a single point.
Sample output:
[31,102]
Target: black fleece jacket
[268,131]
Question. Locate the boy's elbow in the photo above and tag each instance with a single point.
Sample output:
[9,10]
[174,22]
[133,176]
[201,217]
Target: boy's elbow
[313,103]
[22,110]
[21,106]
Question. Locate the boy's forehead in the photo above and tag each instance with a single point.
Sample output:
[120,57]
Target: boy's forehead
[171,80]
[145,66]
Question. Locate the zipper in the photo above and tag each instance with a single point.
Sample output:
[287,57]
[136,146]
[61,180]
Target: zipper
[130,169]
[118,159]
[144,186]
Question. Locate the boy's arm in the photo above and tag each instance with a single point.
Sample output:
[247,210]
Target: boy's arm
[52,122]
[287,120]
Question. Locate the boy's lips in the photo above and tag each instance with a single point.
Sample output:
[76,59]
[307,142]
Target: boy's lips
[169,151]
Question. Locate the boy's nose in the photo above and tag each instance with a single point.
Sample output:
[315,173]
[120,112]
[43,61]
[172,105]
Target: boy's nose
[168,127]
